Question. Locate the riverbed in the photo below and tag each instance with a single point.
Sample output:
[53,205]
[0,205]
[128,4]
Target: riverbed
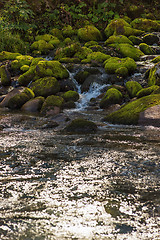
[100,186]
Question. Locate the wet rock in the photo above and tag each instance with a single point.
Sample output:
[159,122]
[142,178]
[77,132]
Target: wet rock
[112,96]
[151,39]
[11,94]
[146,49]
[66,85]
[33,105]
[81,126]
[150,116]
[5,76]
[52,105]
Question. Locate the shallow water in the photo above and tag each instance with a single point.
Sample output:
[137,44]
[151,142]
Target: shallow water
[92,187]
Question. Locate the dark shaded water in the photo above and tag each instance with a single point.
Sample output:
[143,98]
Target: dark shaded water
[96,186]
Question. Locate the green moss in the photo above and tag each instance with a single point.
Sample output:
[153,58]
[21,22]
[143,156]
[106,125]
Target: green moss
[118,39]
[8,55]
[156,59]
[51,68]
[83,53]
[153,77]
[97,56]
[129,114]
[70,60]
[24,68]
[114,63]
[45,86]
[112,96]
[90,43]
[68,51]
[147,25]
[67,41]
[51,102]
[45,37]
[20,61]
[5,76]
[135,40]
[68,31]
[147,91]
[133,87]
[122,72]
[19,99]
[127,50]
[81,126]
[71,96]
[27,77]
[120,27]
[57,33]
[89,33]
[42,46]
[35,61]
[147,50]
[55,42]
[81,76]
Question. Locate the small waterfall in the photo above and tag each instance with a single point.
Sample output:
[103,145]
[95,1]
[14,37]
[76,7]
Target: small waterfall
[94,91]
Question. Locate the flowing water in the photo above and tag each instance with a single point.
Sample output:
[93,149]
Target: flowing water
[56,186]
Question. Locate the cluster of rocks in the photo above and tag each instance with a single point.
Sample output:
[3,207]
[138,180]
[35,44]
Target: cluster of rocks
[33,84]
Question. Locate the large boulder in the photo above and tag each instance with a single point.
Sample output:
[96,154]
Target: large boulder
[147,25]
[120,27]
[41,47]
[117,39]
[45,86]
[89,33]
[112,96]
[150,116]
[129,114]
[52,104]
[97,57]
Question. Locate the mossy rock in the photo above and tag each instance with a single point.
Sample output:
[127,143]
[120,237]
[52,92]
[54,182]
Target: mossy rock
[96,48]
[147,50]
[81,76]
[147,91]
[114,63]
[156,59]
[68,51]
[127,50]
[120,27]
[57,33]
[89,33]
[71,96]
[129,114]
[20,61]
[146,25]
[112,96]
[69,60]
[68,31]
[24,68]
[5,76]
[27,77]
[118,39]
[35,61]
[97,56]
[55,42]
[151,39]
[45,37]
[90,43]
[133,87]
[81,126]
[18,100]
[42,46]
[51,102]
[83,53]
[8,55]
[122,72]
[135,40]
[45,86]
[51,68]
[67,41]
[154,75]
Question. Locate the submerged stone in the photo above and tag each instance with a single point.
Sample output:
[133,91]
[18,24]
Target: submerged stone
[81,126]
